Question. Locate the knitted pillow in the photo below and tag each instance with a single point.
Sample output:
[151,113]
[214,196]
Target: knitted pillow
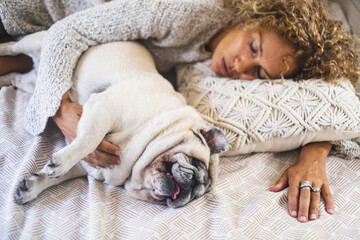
[271,115]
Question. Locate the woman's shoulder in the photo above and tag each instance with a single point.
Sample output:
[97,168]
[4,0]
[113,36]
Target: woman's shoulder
[212,10]
[197,4]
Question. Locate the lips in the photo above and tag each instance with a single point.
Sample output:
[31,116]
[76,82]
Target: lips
[224,69]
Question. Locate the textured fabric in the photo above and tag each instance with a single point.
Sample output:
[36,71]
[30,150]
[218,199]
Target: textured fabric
[174,31]
[239,207]
[347,149]
[335,12]
[350,148]
[23,17]
[272,115]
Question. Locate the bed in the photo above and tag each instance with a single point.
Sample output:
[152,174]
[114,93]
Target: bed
[240,206]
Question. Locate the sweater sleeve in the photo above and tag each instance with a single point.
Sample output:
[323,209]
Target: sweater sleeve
[67,39]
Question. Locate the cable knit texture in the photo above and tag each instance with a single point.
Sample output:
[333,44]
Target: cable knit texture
[172,31]
[274,115]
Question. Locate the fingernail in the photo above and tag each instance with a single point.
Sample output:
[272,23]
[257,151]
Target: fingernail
[118,161]
[302,219]
[313,216]
[117,153]
[331,211]
[275,187]
[111,166]
[293,213]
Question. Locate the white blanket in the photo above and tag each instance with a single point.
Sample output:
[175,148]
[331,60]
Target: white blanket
[239,207]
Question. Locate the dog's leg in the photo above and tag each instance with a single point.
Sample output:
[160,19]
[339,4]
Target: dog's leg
[25,81]
[27,45]
[29,188]
[6,80]
[31,46]
[9,49]
[94,124]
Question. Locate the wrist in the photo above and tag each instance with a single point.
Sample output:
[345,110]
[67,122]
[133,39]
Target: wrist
[59,115]
[315,152]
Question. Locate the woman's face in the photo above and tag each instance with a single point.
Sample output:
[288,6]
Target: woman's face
[252,54]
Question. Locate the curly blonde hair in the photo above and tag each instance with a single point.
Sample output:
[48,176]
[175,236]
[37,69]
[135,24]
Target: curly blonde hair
[324,49]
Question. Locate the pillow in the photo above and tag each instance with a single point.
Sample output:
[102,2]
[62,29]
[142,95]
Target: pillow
[271,115]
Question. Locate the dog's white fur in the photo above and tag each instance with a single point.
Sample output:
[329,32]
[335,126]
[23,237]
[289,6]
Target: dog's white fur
[164,143]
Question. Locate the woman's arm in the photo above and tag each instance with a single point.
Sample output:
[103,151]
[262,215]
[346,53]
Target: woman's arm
[168,25]
[67,39]
[310,166]
[67,118]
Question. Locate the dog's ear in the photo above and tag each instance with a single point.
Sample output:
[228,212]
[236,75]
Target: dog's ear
[215,138]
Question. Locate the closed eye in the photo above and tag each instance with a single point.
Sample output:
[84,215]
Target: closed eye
[252,48]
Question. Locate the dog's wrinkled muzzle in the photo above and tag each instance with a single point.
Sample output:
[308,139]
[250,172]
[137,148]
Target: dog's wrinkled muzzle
[192,178]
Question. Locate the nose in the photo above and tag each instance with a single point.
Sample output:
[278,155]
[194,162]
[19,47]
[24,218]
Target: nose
[245,68]
[184,175]
[242,64]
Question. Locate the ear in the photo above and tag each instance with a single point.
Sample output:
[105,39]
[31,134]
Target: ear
[215,138]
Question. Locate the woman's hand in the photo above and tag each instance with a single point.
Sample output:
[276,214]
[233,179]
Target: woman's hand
[303,203]
[67,119]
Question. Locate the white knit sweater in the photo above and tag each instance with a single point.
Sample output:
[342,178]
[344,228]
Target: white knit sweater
[175,31]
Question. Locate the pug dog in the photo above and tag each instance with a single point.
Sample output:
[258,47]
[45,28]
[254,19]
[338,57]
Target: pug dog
[168,153]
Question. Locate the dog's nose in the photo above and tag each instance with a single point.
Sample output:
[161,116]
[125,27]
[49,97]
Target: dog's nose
[183,175]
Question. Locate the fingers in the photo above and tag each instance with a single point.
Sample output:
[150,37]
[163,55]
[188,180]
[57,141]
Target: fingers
[315,204]
[329,202]
[293,197]
[67,118]
[281,184]
[106,155]
[101,159]
[309,202]
[110,148]
[304,203]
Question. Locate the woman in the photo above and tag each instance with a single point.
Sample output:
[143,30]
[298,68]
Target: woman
[247,40]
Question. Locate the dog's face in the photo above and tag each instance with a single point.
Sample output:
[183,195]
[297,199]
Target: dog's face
[182,172]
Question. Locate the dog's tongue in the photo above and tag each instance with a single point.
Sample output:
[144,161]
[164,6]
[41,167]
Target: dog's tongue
[176,191]
[177,188]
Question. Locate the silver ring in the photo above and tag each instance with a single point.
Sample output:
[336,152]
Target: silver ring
[315,189]
[306,188]
[304,184]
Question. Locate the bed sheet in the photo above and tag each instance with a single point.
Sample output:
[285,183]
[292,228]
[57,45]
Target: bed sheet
[240,206]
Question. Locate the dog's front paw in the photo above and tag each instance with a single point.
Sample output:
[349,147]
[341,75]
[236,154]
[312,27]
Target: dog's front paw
[8,48]
[27,189]
[56,167]
[5,80]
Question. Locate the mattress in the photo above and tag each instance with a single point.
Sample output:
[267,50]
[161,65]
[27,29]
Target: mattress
[240,206]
